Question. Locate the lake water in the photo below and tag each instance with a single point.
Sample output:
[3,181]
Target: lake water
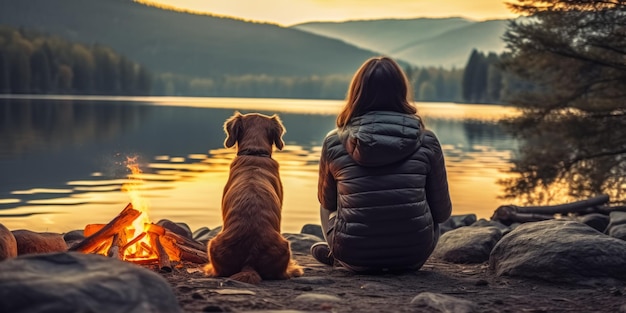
[62,159]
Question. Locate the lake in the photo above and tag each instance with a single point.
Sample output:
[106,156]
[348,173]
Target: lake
[63,158]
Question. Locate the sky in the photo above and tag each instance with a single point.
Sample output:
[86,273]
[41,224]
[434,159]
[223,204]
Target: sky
[289,12]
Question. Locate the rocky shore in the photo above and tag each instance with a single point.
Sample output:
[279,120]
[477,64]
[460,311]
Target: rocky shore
[559,265]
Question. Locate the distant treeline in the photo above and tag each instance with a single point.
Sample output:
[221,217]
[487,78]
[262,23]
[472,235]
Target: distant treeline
[429,84]
[34,63]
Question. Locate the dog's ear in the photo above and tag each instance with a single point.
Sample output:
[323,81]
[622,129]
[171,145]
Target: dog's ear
[232,127]
[277,132]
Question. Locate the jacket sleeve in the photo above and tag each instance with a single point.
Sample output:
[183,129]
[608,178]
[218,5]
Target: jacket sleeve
[437,193]
[326,186]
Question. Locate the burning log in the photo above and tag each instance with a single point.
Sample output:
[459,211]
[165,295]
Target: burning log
[91,229]
[508,214]
[123,220]
[193,255]
[184,241]
[117,239]
[114,250]
[164,260]
[133,241]
[179,247]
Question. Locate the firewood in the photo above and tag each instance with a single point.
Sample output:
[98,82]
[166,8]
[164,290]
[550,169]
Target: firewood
[114,250]
[171,248]
[156,229]
[164,260]
[133,241]
[144,261]
[91,229]
[193,255]
[184,241]
[103,246]
[124,219]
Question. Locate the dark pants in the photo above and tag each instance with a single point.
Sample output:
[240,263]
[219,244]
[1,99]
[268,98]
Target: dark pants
[328,224]
[328,218]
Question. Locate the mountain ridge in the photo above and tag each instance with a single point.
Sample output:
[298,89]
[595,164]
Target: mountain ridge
[424,49]
[183,43]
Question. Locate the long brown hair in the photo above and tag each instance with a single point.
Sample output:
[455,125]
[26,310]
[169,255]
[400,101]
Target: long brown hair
[378,85]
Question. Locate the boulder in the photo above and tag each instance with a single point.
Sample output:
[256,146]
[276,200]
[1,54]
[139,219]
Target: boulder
[29,242]
[484,223]
[301,243]
[467,244]
[74,235]
[617,225]
[201,233]
[75,282]
[8,245]
[560,251]
[597,221]
[436,302]
[456,221]
[181,229]
[313,229]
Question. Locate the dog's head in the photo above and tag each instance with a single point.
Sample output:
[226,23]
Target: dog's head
[254,131]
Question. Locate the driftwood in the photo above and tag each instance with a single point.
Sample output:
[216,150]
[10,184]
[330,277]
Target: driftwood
[124,219]
[508,214]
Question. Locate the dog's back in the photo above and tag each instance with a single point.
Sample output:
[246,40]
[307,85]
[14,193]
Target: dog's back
[250,247]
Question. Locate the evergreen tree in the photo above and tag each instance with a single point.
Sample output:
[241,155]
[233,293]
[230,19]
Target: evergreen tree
[5,82]
[494,79]
[474,77]
[573,124]
[41,73]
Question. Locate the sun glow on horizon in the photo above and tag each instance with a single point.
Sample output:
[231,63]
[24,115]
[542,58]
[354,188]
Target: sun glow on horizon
[291,12]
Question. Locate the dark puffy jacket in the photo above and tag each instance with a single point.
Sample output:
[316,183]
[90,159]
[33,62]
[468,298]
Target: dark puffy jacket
[385,176]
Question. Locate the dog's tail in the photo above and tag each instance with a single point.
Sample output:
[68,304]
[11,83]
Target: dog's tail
[247,275]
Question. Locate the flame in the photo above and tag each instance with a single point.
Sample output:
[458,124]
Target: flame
[133,187]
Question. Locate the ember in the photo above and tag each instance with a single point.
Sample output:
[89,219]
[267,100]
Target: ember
[131,237]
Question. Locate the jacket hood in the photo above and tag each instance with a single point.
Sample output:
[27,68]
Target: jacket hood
[380,137]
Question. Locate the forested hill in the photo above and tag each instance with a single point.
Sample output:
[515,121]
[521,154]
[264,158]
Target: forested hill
[183,43]
[445,42]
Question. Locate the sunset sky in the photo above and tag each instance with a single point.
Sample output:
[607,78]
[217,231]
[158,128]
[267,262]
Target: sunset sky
[289,12]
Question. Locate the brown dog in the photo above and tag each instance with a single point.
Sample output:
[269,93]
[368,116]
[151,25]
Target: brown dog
[250,247]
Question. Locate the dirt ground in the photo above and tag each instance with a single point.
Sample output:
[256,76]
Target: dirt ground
[389,292]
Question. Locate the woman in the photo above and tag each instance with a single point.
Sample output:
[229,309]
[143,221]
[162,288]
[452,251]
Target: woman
[382,184]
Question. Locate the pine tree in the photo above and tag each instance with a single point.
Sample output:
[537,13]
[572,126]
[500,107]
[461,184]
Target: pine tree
[574,117]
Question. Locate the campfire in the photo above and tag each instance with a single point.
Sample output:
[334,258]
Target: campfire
[130,236]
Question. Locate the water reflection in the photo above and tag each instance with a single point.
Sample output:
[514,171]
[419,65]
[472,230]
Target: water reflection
[62,161]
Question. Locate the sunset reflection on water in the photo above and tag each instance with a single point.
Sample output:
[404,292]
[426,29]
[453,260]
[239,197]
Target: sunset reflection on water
[187,187]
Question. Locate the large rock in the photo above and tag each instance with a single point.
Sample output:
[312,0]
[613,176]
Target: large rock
[29,242]
[467,244]
[75,282]
[181,229]
[8,245]
[560,251]
[436,302]
[301,243]
[456,221]
[596,221]
[617,225]
[313,229]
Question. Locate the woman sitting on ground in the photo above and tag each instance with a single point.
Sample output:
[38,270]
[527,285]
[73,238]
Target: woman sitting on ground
[383,186]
